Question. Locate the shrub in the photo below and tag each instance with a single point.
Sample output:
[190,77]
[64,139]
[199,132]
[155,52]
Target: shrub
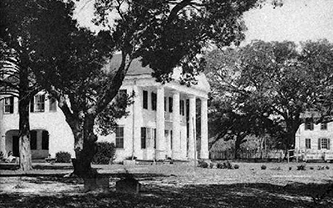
[236,166]
[311,168]
[203,164]
[228,165]
[327,167]
[263,167]
[63,157]
[290,168]
[301,167]
[321,167]
[219,165]
[211,165]
[105,153]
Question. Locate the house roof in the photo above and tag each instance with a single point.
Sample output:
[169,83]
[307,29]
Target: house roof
[136,69]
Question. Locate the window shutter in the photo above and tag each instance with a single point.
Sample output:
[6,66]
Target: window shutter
[328,144]
[319,144]
[32,104]
[11,110]
[42,103]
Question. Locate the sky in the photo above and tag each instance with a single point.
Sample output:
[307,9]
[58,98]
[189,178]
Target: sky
[296,20]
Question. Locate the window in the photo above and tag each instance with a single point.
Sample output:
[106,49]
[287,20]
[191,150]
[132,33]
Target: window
[143,138]
[182,107]
[119,137]
[45,140]
[53,104]
[9,105]
[324,143]
[153,101]
[308,143]
[38,104]
[170,104]
[33,140]
[308,124]
[145,99]
[148,137]
[323,126]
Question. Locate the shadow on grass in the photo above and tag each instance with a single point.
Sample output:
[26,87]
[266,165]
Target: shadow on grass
[167,195]
[13,166]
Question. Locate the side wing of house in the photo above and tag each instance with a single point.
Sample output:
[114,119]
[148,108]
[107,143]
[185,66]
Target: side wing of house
[315,140]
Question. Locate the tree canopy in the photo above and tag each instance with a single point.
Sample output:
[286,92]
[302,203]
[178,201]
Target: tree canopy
[277,80]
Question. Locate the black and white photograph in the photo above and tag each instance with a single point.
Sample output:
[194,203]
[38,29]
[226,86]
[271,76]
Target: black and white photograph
[166,103]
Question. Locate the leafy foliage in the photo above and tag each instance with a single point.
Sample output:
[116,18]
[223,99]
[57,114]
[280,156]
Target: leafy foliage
[265,88]
[105,153]
[63,157]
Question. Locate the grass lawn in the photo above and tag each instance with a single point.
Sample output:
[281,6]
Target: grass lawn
[176,186]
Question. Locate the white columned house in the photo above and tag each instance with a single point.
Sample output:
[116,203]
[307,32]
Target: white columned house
[159,124]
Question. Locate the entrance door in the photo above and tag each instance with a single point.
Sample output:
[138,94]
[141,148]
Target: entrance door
[16,150]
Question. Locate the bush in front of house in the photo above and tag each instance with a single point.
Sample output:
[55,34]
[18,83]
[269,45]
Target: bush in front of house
[236,166]
[105,153]
[63,157]
[301,167]
[202,164]
[263,167]
[227,165]
[211,165]
[219,165]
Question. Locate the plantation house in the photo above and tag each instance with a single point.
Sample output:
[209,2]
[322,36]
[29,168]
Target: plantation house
[161,122]
[314,141]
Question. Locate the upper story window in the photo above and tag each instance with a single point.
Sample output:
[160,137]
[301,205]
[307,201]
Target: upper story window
[182,108]
[38,103]
[153,101]
[9,105]
[145,99]
[170,104]
[308,143]
[308,124]
[324,143]
[53,104]
[323,126]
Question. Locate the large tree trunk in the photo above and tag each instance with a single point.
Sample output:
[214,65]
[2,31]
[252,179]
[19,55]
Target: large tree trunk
[24,126]
[237,146]
[85,149]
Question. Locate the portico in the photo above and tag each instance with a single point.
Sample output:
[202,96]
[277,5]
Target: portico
[164,121]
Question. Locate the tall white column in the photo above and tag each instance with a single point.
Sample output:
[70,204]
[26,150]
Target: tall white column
[192,148]
[176,127]
[160,137]
[204,130]
[136,122]
[2,130]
